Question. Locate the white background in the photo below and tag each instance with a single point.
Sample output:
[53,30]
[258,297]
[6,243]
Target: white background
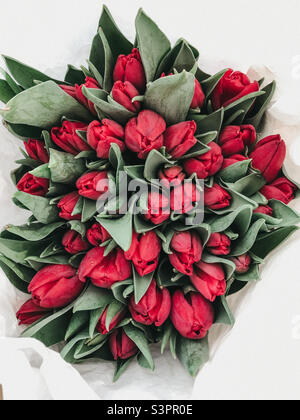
[260,357]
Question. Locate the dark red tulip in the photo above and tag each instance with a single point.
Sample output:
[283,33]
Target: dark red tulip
[264,210]
[74,243]
[33,185]
[234,139]
[268,156]
[158,208]
[199,97]
[36,150]
[232,160]
[121,346]
[153,308]
[216,198]
[101,135]
[67,205]
[129,68]
[30,313]
[55,286]
[180,138]
[242,263]
[192,315]
[67,139]
[97,235]
[186,248]
[219,244]
[123,93]
[172,176]
[209,280]
[144,252]
[207,164]
[93,184]
[104,271]
[282,189]
[145,133]
[234,85]
[101,326]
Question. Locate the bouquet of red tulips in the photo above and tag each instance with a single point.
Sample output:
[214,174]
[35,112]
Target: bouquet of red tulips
[152,197]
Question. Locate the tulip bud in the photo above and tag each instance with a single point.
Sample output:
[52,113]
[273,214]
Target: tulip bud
[264,210]
[36,150]
[209,280]
[234,139]
[33,185]
[232,160]
[130,69]
[67,139]
[207,164]
[242,263]
[97,235]
[101,327]
[90,83]
[216,198]
[70,90]
[158,208]
[180,138]
[199,97]
[234,85]
[219,244]
[185,198]
[93,184]
[145,133]
[74,243]
[144,252]
[55,286]
[67,205]
[172,176]
[104,271]
[268,156]
[123,93]
[101,136]
[186,250]
[30,313]
[282,189]
[192,315]
[153,308]
[121,346]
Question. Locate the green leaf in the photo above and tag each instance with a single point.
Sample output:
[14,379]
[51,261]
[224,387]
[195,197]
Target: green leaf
[197,150]
[68,351]
[171,96]
[210,84]
[64,167]
[261,105]
[168,328]
[35,231]
[101,57]
[235,172]
[139,338]
[6,93]
[285,213]
[94,319]
[181,57]
[24,74]
[121,367]
[18,251]
[229,266]
[118,290]
[114,308]
[39,206]
[18,275]
[244,104]
[43,106]
[193,354]
[119,229]
[84,350]
[223,314]
[249,185]
[78,321]
[141,285]
[207,123]
[155,160]
[78,227]
[41,171]
[251,275]
[142,361]
[74,76]
[152,43]
[93,298]
[23,132]
[239,218]
[12,84]
[61,259]
[135,171]
[89,210]
[245,243]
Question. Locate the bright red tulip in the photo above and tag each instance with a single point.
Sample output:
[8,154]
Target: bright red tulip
[219,244]
[209,280]
[207,164]
[185,198]
[121,346]
[282,189]
[67,205]
[123,93]
[33,185]
[158,208]
[97,235]
[90,83]
[234,139]
[172,176]
[67,139]
[101,135]
[144,252]
[36,150]
[180,138]
[101,327]
[130,69]
[264,210]
[232,160]
[199,97]
[242,263]
[186,250]
[74,243]
[93,184]
[30,313]
[216,198]
[70,90]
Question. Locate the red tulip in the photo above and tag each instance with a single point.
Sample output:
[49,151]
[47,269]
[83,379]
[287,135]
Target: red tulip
[242,263]
[207,164]
[153,308]
[199,97]
[90,83]
[101,327]
[97,235]
[104,271]
[144,252]
[93,184]
[234,139]
[74,243]
[185,198]
[130,69]
[216,198]
[55,286]
[67,139]
[145,133]
[209,280]
[70,90]
[192,315]
[186,250]
[30,313]
[232,160]
[101,136]
[123,93]
[180,138]
[67,205]
[158,208]
[234,85]
[172,176]
[268,157]
[282,189]
[33,185]
[36,150]
[219,244]
[121,346]
[264,210]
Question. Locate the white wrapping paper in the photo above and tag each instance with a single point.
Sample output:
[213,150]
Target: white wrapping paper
[259,357]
